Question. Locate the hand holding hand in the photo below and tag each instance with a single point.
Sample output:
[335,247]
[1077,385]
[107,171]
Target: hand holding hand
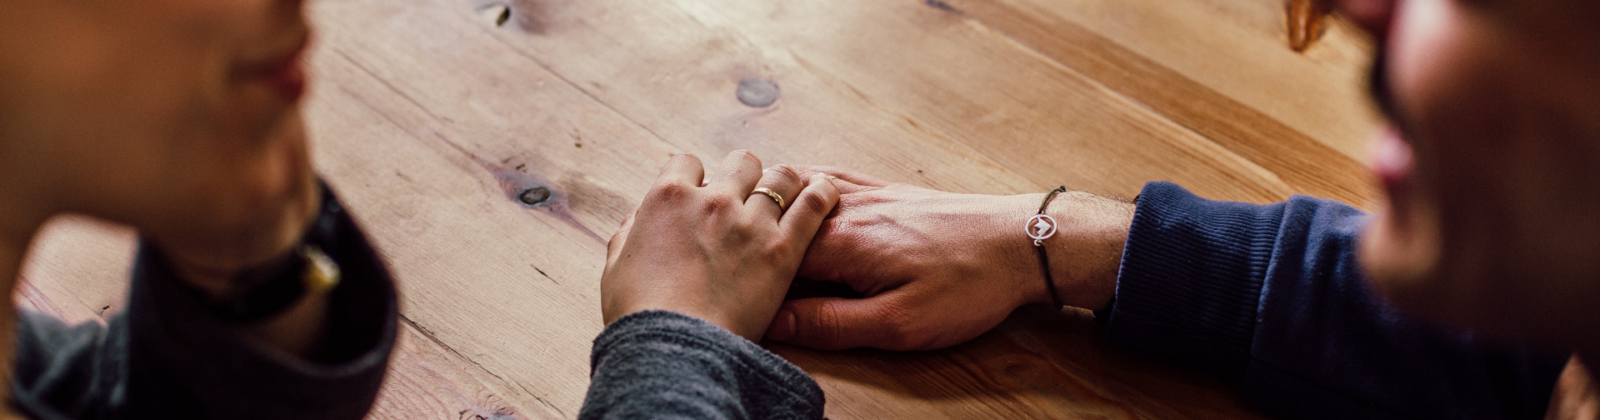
[719,252]
[940,268]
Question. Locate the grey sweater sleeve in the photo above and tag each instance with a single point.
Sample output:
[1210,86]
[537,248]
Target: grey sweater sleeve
[168,357]
[666,365]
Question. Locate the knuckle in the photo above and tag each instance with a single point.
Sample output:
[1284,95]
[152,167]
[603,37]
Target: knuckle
[683,159]
[670,192]
[827,328]
[811,201]
[744,154]
[719,203]
[785,175]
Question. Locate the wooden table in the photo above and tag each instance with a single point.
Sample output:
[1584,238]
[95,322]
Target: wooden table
[432,117]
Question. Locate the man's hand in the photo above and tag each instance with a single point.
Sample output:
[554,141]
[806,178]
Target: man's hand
[718,252]
[941,268]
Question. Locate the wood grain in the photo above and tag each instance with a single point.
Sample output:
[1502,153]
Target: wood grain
[431,117]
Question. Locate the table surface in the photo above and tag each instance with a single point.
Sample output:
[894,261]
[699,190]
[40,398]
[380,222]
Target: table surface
[431,117]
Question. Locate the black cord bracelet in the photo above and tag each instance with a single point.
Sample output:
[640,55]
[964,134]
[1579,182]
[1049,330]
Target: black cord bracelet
[1040,227]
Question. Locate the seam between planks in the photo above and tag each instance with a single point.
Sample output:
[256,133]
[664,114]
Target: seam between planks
[425,332]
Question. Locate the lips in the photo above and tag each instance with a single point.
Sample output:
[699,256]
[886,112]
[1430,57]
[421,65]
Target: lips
[1392,162]
[284,72]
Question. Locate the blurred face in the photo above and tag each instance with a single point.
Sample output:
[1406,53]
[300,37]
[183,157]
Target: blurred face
[171,115]
[1491,174]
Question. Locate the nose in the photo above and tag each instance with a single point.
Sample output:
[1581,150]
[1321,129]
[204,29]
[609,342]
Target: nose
[1372,15]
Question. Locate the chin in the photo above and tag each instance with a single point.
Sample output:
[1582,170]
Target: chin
[1401,263]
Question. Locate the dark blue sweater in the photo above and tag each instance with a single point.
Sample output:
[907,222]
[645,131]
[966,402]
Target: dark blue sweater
[1269,297]
[1272,297]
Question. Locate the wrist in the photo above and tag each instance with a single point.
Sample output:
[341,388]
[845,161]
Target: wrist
[1008,247]
[1086,253]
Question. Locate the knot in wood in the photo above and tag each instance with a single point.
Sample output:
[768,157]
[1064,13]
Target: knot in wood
[534,196]
[756,93]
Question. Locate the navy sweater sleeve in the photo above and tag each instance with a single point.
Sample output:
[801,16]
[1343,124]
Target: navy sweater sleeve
[1271,297]
[666,365]
[168,357]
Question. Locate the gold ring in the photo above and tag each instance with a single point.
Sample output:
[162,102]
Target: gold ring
[775,197]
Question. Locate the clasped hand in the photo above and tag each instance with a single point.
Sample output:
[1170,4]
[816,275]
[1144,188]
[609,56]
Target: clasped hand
[936,268]
[715,250]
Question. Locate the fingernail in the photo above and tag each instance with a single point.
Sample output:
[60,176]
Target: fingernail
[783,330]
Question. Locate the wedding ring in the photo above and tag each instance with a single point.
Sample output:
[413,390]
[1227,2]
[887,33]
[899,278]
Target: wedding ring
[775,197]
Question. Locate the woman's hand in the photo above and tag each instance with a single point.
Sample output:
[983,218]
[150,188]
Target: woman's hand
[715,250]
[940,268]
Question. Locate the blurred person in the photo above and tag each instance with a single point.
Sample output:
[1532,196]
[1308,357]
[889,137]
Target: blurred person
[254,295]
[1461,297]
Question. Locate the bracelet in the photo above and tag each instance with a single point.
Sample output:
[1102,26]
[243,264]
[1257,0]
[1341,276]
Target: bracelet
[1040,227]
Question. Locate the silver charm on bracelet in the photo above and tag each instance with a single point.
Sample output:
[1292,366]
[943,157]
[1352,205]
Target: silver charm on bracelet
[1040,227]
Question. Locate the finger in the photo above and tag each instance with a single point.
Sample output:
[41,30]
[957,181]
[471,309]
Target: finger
[839,253]
[848,256]
[844,186]
[808,210]
[682,169]
[845,174]
[738,174]
[782,180]
[614,247]
[847,187]
[831,323]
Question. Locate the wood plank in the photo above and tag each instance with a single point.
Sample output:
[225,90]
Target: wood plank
[1310,166]
[1237,48]
[77,269]
[1040,363]
[885,60]
[1039,120]
[428,380]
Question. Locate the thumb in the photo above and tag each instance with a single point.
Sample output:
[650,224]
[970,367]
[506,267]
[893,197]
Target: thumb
[831,323]
[614,246]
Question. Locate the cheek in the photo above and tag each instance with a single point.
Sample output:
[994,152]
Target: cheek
[1503,166]
[1425,47]
[113,102]
[1444,93]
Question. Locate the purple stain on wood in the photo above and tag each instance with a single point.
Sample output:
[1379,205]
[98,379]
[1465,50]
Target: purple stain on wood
[529,190]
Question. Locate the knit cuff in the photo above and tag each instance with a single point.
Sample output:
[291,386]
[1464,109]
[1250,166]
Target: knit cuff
[667,364]
[1191,277]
